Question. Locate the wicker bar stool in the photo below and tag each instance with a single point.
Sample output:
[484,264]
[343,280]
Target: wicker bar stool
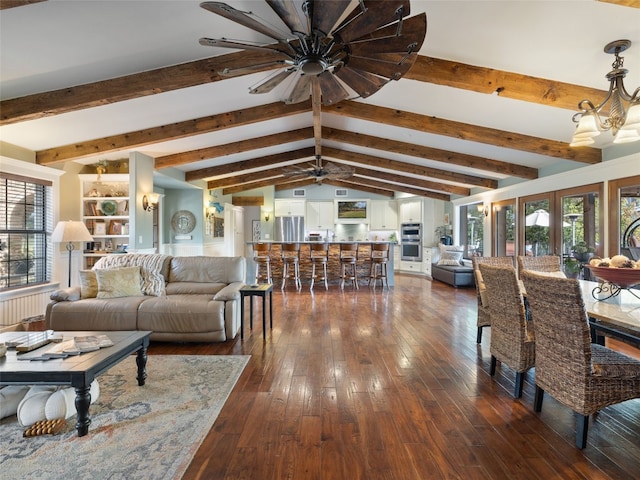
[261,256]
[291,264]
[319,255]
[379,259]
[349,264]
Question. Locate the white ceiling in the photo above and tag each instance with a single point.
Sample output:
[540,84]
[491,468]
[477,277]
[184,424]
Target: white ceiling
[61,43]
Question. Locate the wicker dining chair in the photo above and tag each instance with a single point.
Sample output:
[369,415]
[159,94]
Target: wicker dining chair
[484,319]
[544,263]
[512,337]
[581,375]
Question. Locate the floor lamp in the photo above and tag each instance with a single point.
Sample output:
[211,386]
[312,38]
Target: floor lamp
[71,231]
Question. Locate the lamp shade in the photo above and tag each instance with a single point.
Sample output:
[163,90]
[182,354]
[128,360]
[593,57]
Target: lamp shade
[71,231]
[626,136]
[632,121]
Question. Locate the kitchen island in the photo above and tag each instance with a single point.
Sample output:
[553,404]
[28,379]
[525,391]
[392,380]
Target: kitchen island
[333,265]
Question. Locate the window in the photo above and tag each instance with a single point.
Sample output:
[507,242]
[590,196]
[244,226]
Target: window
[472,229]
[26,218]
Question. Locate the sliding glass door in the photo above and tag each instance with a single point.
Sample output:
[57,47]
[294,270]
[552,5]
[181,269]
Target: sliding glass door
[536,220]
[503,226]
[624,217]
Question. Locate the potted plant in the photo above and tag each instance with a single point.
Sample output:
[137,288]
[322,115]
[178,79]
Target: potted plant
[582,251]
[572,267]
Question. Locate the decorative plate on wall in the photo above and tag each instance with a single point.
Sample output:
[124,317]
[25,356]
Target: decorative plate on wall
[183,221]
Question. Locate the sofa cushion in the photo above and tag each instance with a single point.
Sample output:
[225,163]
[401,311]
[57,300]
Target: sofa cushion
[153,267]
[450,255]
[119,282]
[88,284]
[207,269]
[96,314]
[181,314]
[186,288]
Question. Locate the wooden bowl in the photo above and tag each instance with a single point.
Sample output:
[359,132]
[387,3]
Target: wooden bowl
[622,277]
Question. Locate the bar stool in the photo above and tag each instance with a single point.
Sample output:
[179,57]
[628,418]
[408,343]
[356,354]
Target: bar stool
[263,262]
[319,255]
[379,260]
[349,263]
[291,264]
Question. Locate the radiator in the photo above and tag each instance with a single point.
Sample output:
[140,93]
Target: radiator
[14,310]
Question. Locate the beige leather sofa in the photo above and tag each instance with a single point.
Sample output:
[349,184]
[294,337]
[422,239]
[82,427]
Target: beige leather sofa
[198,301]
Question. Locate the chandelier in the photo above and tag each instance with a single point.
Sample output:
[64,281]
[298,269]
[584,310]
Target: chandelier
[624,109]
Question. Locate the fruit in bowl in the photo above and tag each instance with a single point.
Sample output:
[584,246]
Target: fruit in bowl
[619,270]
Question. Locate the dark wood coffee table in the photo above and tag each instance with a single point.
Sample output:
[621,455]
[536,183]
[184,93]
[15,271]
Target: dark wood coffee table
[78,370]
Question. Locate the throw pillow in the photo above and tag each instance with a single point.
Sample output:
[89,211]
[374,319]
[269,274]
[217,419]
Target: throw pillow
[450,257]
[119,282]
[88,284]
[153,282]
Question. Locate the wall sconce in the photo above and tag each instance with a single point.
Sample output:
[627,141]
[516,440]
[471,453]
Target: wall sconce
[266,216]
[150,201]
[482,208]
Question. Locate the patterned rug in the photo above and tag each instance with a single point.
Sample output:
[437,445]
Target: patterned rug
[149,432]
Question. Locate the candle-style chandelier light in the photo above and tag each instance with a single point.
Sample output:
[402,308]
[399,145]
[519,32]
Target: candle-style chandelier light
[623,109]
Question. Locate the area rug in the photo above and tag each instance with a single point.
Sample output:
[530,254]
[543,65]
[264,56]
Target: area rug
[148,432]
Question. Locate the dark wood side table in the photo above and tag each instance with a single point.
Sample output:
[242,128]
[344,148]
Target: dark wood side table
[260,290]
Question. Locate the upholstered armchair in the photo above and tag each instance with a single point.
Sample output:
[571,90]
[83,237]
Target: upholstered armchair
[512,337]
[484,319]
[581,375]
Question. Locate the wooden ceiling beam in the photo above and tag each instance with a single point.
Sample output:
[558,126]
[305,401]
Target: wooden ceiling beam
[412,181]
[505,84]
[246,177]
[249,186]
[410,168]
[397,188]
[464,131]
[234,147]
[237,167]
[172,131]
[428,153]
[363,187]
[70,99]
[285,183]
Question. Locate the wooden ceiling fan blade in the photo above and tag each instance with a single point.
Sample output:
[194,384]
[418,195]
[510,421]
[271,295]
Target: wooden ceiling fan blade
[276,48]
[412,28]
[397,58]
[258,67]
[326,14]
[381,68]
[272,82]
[378,13]
[301,90]
[332,90]
[241,18]
[287,12]
[363,83]
[410,40]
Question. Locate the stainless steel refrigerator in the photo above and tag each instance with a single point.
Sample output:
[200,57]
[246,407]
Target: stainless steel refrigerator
[289,229]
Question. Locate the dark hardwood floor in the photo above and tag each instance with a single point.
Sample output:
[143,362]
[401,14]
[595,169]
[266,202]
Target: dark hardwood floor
[378,384]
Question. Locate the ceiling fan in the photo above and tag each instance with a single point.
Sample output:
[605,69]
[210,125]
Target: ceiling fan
[334,50]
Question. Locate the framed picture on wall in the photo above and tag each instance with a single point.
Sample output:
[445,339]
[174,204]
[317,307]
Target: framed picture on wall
[115,227]
[446,219]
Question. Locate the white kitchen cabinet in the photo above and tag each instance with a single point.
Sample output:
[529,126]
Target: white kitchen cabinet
[284,207]
[426,260]
[410,267]
[384,215]
[411,211]
[319,216]
[397,255]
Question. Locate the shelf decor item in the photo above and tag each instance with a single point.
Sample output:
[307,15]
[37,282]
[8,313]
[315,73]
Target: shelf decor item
[109,207]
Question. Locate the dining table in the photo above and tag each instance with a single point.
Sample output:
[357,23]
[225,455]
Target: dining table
[617,316]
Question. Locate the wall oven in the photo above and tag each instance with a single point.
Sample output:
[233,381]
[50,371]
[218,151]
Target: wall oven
[411,242]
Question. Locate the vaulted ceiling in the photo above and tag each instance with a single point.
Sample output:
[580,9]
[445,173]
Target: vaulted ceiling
[489,100]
